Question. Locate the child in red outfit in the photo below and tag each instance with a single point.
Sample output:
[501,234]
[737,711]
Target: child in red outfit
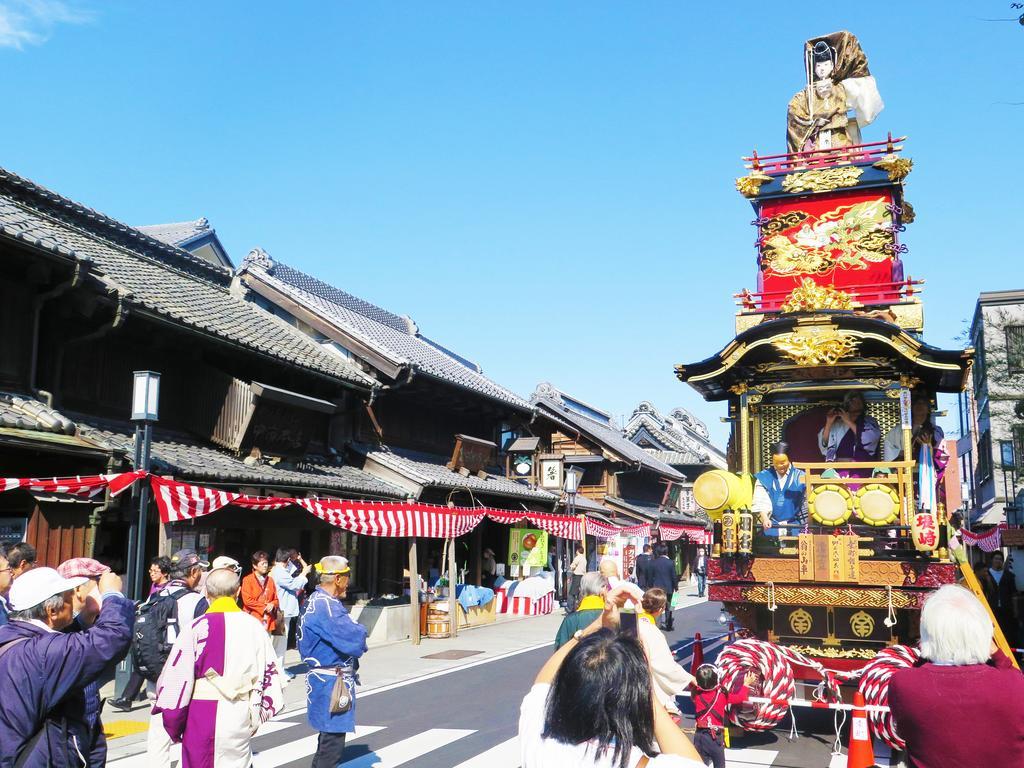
[710,698]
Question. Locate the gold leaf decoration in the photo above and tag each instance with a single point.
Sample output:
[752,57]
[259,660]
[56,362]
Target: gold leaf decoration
[810,296]
[898,168]
[822,179]
[813,349]
[750,185]
[826,652]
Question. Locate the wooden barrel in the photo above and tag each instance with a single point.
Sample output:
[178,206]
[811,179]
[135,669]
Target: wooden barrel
[438,624]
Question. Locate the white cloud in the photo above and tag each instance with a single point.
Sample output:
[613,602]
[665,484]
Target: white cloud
[30,22]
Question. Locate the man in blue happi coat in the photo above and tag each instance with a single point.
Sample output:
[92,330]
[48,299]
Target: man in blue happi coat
[780,494]
[330,643]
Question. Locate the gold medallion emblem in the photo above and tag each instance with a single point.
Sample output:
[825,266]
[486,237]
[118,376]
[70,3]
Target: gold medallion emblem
[800,621]
[862,624]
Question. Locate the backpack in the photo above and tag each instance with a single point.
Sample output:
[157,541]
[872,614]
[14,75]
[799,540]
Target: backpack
[150,647]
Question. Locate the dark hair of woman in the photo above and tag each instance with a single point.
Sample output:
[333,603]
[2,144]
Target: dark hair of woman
[258,556]
[779,449]
[284,554]
[706,677]
[163,563]
[602,694]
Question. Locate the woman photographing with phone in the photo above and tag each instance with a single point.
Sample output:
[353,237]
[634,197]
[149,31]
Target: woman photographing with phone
[591,705]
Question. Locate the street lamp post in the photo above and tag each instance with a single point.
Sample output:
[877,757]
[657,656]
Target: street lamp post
[145,411]
[571,488]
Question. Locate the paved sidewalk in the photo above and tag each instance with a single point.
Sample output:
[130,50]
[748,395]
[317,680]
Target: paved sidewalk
[388,665]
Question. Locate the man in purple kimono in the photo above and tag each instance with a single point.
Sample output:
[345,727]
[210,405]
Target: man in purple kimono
[220,683]
[850,434]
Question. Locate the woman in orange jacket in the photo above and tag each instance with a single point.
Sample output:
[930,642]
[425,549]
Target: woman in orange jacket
[259,593]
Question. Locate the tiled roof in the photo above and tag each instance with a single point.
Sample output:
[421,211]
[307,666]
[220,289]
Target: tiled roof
[430,470]
[657,512]
[168,282]
[679,433]
[19,412]
[553,404]
[394,337]
[678,458]
[178,232]
[188,459]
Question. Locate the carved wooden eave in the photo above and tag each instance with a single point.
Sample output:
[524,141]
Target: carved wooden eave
[826,344]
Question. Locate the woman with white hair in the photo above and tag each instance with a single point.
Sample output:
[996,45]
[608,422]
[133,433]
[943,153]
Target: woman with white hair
[963,705]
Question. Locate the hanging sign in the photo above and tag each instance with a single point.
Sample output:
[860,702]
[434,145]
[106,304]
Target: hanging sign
[905,410]
[528,547]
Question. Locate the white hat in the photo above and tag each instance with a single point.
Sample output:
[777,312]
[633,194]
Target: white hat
[225,562]
[35,586]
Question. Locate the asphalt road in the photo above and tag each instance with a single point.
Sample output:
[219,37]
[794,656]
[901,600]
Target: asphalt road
[468,719]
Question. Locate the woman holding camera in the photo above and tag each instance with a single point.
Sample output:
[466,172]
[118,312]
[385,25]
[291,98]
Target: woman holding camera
[850,434]
[591,705]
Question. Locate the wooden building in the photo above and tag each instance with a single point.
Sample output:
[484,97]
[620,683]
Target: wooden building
[246,402]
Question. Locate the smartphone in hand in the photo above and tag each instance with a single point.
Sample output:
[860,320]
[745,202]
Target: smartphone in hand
[627,623]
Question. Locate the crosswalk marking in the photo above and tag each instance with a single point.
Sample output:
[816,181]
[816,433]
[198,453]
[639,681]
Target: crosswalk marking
[504,755]
[300,748]
[403,751]
[749,758]
[273,726]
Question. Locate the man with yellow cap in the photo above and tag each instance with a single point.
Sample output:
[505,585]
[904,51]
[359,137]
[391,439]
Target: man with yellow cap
[331,643]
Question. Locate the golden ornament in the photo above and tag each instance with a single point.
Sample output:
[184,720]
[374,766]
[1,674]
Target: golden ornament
[862,624]
[750,185]
[809,297]
[822,180]
[898,168]
[814,349]
[800,621]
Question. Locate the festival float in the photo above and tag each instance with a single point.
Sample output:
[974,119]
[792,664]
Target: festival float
[830,530]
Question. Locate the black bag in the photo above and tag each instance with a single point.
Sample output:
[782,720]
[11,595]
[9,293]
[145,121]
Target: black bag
[150,648]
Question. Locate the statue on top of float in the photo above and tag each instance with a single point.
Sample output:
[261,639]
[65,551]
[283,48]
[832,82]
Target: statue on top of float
[838,80]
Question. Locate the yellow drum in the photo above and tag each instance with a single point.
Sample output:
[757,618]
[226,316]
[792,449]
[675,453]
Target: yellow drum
[830,504]
[878,504]
[717,490]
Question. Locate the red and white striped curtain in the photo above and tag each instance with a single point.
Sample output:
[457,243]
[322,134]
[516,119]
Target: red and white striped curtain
[177,502]
[82,486]
[671,532]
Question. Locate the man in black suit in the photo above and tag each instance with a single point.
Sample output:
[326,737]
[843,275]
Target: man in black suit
[664,576]
[642,568]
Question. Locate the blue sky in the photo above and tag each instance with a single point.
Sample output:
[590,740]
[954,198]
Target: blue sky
[546,188]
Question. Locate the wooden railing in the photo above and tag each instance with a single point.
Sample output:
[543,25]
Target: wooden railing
[823,158]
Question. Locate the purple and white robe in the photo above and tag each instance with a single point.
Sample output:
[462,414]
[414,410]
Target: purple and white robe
[220,684]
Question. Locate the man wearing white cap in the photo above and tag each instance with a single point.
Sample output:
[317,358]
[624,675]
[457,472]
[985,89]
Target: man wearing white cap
[330,644]
[49,668]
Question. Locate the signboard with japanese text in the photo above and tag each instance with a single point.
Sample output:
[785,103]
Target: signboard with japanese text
[527,548]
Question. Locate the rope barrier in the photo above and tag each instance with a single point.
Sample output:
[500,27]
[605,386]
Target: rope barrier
[773,692]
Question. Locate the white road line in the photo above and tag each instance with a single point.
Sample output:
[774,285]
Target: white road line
[504,755]
[748,758]
[273,726]
[140,761]
[403,751]
[441,672]
[300,748]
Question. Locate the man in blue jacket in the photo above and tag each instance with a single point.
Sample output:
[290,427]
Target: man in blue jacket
[330,643]
[49,669]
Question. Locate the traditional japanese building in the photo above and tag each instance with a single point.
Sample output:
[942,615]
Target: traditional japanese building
[438,428]
[247,402]
[680,440]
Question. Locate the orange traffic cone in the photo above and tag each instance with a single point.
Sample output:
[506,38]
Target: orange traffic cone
[860,753]
[698,653]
